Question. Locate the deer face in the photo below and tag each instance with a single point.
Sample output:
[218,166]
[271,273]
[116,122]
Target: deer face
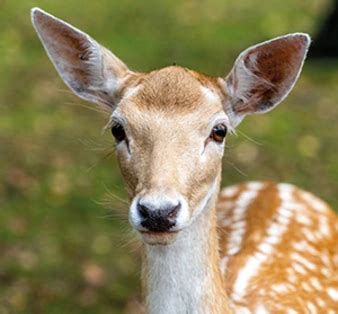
[170,132]
[170,125]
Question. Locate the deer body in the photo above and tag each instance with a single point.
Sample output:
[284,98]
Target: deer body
[278,249]
[258,247]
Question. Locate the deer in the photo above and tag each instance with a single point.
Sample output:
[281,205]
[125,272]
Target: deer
[254,247]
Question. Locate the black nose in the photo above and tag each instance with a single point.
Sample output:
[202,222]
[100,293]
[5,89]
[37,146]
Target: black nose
[158,219]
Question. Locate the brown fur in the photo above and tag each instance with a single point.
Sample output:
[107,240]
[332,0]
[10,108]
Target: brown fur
[172,89]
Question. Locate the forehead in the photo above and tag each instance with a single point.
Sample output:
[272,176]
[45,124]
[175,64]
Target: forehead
[172,92]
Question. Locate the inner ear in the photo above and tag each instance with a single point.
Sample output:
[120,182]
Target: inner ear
[91,71]
[264,74]
[275,68]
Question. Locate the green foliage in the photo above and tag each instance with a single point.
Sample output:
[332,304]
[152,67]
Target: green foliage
[64,239]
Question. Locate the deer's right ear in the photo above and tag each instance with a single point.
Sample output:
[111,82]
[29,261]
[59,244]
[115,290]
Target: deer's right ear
[89,70]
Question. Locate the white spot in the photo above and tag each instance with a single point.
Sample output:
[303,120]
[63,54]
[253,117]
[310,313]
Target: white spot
[307,287]
[242,310]
[324,225]
[314,202]
[230,191]
[321,302]
[280,288]
[333,293]
[286,212]
[210,95]
[303,246]
[312,308]
[291,311]
[254,185]
[325,258]
[272,240]
[285,191]
[304,219]
[309,235]
[299,268]
[243,278]
[283,219]
[232,250]
[261,309]
[265,248]
[316,283]
[325,272]
[239,225]
[294,205]
[293,279]
[297,257]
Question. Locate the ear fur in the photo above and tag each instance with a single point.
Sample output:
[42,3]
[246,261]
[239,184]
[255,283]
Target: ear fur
[88,69]
[263,75]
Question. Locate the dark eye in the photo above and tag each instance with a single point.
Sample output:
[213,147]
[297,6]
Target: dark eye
[118,132]
[218,133]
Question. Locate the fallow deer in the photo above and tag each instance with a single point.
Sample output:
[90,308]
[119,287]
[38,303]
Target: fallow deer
[256,247]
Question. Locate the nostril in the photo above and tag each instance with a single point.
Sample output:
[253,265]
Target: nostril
[172,212]
[143,210]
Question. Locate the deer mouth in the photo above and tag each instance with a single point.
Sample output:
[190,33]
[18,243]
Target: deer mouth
[159,237]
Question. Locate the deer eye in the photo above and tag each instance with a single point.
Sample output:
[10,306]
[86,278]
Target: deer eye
[218,133]
[118,132]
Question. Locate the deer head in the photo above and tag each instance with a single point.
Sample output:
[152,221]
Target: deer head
[170,124]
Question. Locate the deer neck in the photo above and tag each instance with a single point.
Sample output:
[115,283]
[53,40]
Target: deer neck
[184,277]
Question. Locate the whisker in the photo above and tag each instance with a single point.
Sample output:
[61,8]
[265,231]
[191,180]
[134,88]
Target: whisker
[114,196]
[109,200]
[107,153]
[249,138]
[133,242]
[89,143]
[97,108]
[232,146]
[235,167]
[112,215]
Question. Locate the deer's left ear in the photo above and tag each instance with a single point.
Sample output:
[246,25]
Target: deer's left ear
[263,75]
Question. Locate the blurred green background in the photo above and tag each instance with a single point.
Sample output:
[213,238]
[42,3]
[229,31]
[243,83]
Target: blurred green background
[65,243]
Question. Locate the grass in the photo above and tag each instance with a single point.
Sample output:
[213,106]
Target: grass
[64,238]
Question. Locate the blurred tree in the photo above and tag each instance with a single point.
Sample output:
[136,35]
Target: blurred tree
[325,44]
